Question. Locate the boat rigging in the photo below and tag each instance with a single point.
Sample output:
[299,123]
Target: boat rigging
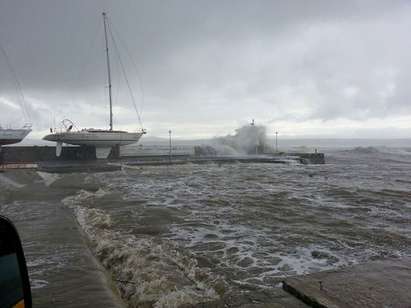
[15,135]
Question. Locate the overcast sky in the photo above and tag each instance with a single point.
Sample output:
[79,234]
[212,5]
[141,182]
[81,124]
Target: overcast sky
[304,68]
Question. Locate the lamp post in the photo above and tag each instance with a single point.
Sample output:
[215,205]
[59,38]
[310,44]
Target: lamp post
[276,142]
[169,145]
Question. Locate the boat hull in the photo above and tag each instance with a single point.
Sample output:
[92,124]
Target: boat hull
[95,138]
[11,136]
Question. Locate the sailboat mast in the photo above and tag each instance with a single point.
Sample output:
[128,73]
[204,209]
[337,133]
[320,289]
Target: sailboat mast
[108,70]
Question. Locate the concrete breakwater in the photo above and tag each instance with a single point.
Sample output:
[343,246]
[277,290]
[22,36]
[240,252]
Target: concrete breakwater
[34,154]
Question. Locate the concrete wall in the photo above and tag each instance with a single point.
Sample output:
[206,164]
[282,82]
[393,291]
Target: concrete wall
[32,154]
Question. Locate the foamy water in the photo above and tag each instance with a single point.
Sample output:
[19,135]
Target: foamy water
[174,235]
[249,225]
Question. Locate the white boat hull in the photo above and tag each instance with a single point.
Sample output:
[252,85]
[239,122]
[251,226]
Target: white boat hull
[95,138]
[11,136]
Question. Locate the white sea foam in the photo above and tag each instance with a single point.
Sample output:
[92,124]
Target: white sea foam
[251,224]
[9,183]
[49,178]
[38,283]
[82,196]
[303,261]
[149,271]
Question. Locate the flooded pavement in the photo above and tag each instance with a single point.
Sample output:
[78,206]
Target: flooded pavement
[62,269]
[173,235]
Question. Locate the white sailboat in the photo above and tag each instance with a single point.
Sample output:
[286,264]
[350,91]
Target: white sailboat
[104,140]
[11,136]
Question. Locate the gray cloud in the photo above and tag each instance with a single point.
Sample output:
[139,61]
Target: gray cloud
[207,66]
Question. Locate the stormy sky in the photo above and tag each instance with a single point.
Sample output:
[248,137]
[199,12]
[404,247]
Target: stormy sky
[203,68]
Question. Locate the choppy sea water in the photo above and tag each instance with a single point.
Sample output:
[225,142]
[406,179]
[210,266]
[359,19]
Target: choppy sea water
[172,235]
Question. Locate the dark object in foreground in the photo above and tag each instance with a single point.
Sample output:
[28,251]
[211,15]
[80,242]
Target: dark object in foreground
[385,283]
[14,279]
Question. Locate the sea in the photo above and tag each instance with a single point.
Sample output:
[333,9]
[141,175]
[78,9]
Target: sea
[169,236]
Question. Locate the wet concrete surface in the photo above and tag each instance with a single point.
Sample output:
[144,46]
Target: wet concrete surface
[62,270]
[273,298]
[385,283]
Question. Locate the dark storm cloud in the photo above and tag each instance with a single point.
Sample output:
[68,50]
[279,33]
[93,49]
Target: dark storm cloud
[214,61]
[51,40]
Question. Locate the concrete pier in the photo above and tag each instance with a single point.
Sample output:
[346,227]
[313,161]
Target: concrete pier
[385,283]
[179,160]
[83,159]
[33,154]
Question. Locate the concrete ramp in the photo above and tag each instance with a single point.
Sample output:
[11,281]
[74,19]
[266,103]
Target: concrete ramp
[385,284]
